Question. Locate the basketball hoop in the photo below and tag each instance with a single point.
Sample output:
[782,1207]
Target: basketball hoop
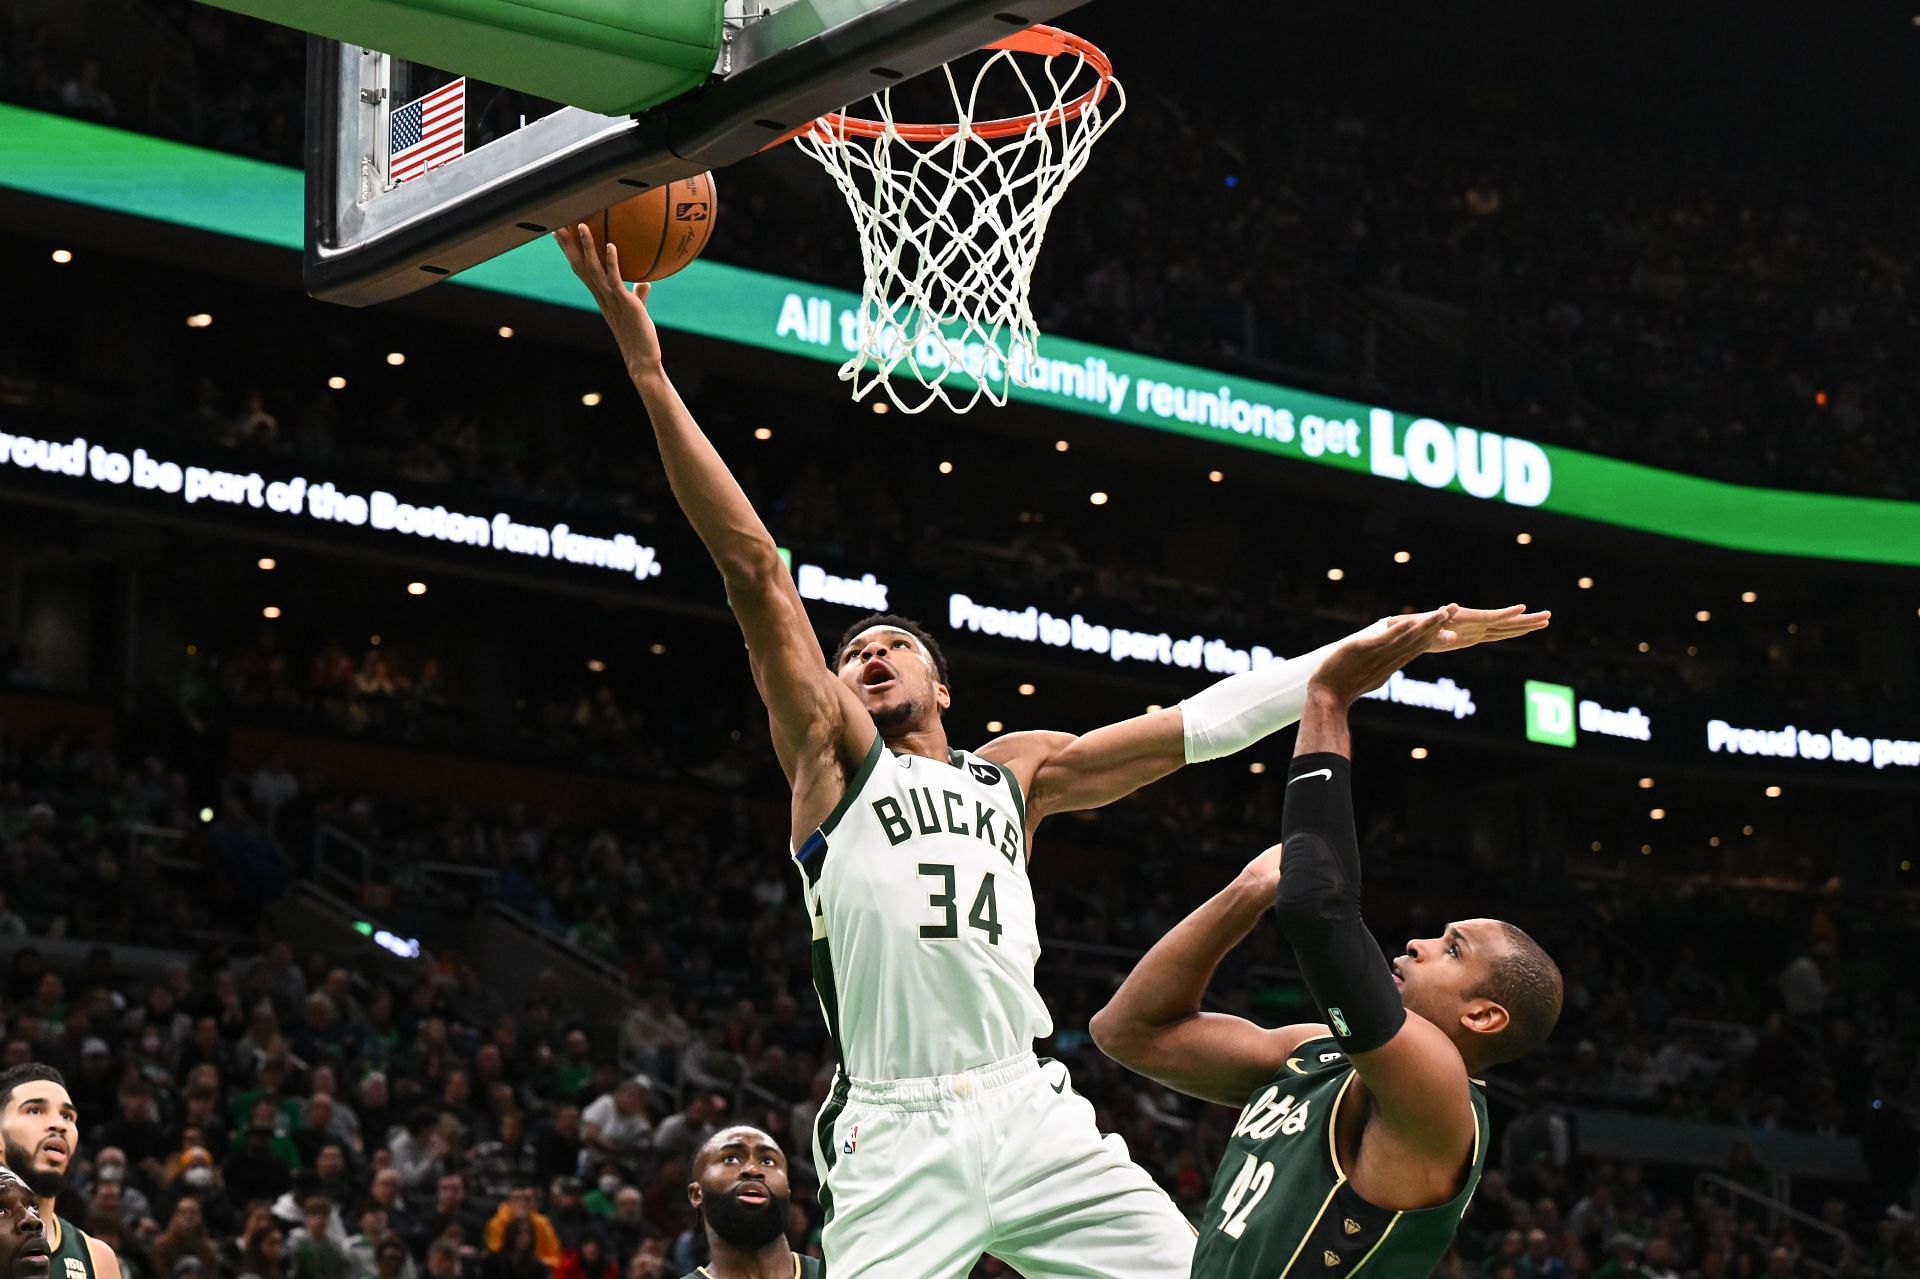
[950,217]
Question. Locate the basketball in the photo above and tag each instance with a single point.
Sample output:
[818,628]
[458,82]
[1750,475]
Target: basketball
[659,231]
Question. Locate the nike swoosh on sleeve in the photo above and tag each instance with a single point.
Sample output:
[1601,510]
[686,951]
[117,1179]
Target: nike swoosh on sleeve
[1318,772]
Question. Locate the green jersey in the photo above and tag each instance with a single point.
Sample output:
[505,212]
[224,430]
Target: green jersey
[72,1259]
[803,1268]
[1282,1207]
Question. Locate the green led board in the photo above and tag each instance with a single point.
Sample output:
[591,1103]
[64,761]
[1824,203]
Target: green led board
[88,164]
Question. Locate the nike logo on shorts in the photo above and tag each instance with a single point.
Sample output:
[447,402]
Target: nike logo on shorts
[1318,772]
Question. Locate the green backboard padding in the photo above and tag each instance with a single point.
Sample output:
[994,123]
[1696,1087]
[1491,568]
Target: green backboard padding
[611,56]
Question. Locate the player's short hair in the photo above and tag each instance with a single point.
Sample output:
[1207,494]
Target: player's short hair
[898,623]
[1526,982]
[27,1072]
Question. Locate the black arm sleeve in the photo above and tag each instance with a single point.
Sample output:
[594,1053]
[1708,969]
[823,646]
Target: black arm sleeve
[1318,905]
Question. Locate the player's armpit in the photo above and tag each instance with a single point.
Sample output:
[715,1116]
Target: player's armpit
[810,712]
[1094,769]
[1420,1090]
[1213,1056]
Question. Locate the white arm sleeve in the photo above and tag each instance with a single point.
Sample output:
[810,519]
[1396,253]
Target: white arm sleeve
[1241,709]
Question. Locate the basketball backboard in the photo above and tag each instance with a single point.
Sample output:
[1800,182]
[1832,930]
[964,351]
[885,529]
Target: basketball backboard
[381,223]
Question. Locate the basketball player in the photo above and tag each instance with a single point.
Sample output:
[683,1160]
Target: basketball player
[23,1240]
[739,1188]
[1359,1143]
[41,1130]
[943,1138]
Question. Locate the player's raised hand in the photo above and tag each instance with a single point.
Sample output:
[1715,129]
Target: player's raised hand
[1472,626]
[624,308]
[1365,661]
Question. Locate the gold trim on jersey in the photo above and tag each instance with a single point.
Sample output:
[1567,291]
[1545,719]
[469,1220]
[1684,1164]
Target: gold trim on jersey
[1311,1227]
[1376,1245]
[1333,1125]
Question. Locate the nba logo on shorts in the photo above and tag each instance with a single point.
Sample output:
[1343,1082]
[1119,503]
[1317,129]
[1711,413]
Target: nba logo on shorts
[846,1147]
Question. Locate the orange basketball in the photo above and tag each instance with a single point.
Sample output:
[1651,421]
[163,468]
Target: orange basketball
[659,231]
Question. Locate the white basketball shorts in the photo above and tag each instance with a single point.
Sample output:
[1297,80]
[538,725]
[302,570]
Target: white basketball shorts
[922,1176]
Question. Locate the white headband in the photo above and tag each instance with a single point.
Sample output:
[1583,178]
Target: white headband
[909,635]
[9,1177]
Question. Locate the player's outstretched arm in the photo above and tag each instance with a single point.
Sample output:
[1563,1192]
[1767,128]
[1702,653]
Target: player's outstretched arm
[813,714]
[1414,1074]
[1154,1024]
[1071,773]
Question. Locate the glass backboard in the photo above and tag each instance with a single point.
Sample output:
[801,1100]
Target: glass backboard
[417,171]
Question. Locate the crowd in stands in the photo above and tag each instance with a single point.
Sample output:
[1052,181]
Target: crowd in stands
[1739,317]
[258,1110]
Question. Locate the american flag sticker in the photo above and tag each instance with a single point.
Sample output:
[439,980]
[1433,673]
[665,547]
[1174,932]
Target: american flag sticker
[428,132]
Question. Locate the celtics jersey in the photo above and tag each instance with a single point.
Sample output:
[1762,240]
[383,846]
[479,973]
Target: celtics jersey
[1282,1207]
[803,1268]
[72,1259]
[924,938]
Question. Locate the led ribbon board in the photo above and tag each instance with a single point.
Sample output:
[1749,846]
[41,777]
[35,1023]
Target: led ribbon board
[89,164]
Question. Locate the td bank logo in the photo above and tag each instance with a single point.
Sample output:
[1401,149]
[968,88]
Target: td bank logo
[1550,713]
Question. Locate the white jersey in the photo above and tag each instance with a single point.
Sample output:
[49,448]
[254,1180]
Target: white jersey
[924,938]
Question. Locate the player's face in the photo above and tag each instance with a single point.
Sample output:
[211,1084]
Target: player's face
[1439,975]
[740,1183]
[890,673]
[42,1135]
[23,1239]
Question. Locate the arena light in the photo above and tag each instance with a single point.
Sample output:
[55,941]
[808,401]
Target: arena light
[946,468]
[1418,752]
[1061,446]
[1216,476]
[880,408]
[995,726]
[373,640]
[63,256]
[763,433]
[1585,583]
[1703,616]
[1746,830]
[416,588]
[268,563]
[657,649]
[1713,841]
[505,330]
[336,383]
[1646,850]
[1644,647]
[206,814]
[271,612]
[1402,557]
[1256,768]
[595,665]
[1749,597]
[1335,574]
[1525,539]
[1152,707]
[1773,792]
[1658,814]
[1097,497]
[199,320]
[591,399]
[396,358]
[1027,690]
[1595,846]
[1646,783]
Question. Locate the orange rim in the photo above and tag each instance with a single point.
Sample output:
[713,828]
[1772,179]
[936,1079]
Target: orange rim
[1042,40]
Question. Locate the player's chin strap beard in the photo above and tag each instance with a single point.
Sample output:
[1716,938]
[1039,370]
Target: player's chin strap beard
[901,716]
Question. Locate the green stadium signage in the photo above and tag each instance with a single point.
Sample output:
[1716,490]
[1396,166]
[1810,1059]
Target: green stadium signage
[88,164]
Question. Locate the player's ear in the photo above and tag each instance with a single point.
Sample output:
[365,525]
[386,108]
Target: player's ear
[694,1193]
[1484,1017]
[942,697]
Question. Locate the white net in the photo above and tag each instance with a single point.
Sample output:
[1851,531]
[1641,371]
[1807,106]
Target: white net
[950,218]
